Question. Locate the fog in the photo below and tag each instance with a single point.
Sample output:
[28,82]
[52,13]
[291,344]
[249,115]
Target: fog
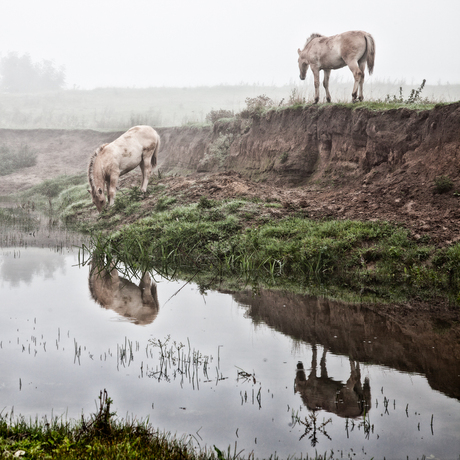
[150,43]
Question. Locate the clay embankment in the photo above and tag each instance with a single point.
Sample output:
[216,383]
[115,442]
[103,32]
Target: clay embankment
[292,147]
[330,161]
[287,147]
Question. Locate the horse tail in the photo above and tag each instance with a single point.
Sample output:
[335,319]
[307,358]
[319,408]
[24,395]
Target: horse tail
[370,52]
[153,160]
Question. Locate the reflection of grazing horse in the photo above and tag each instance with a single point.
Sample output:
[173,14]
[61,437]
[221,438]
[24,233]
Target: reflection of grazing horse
[345,400]
[139,146]
[354,49]
[111,291]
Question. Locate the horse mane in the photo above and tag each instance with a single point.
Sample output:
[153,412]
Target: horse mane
[91,167]
[311,37]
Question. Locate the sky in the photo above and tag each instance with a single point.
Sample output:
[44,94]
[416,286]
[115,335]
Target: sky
[183,43]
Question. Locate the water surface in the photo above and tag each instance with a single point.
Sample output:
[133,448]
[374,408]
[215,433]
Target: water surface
[266,372]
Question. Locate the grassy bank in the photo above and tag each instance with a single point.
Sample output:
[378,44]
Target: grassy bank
[100,436]
[238,238]
[249,242]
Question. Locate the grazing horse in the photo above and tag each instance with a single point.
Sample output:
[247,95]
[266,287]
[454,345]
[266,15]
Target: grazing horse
[353,49]
[348,399]
[138,303]
[139,146]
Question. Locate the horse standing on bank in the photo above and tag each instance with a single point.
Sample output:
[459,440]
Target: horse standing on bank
[354,49]
[139,146]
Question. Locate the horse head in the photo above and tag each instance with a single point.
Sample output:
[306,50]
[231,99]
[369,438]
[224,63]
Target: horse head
[303,65]
[96,182]
[98,198]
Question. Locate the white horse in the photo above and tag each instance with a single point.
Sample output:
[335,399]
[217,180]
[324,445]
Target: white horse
[354,49]
[139,146]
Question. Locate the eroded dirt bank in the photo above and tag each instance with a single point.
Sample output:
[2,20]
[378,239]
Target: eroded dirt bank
[330,161]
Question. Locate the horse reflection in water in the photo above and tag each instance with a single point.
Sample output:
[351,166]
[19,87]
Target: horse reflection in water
[138,303]
[350,399]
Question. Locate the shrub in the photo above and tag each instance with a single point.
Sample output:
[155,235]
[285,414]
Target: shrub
[443,184]
[215,115]
[256,106]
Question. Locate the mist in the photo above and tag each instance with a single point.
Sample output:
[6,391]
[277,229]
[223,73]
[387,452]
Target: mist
[145,43]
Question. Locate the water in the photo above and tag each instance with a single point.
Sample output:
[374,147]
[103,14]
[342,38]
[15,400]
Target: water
[387,388]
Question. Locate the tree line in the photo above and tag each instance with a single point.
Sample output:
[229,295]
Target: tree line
[19,74]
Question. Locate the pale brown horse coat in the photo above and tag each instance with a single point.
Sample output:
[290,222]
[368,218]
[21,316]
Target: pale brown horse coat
[137,303]
[354,49]
[139,146]
[349,399]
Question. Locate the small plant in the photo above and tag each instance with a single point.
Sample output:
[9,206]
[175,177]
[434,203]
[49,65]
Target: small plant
[206,203]
[284,157]
[443,184]
[295,98]
[164,203]
[414,97]
[215,115]
[255,106]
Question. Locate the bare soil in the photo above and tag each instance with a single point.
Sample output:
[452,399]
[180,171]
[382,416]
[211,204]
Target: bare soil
[414,205]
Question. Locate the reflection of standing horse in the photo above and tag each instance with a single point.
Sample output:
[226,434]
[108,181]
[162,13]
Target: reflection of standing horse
[111,291]
[353,49]
[139,146]
[345,400]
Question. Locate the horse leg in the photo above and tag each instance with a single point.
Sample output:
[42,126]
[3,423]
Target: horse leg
[362,67]
[327,74]
[111,190]
[316,77]
[146,168]
[357,74]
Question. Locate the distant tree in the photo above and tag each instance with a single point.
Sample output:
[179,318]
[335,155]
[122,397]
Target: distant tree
[20,74]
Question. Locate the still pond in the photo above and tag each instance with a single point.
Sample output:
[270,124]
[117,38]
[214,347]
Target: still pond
[263,373]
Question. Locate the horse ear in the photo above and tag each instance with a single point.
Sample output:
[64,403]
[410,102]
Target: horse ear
[298,50]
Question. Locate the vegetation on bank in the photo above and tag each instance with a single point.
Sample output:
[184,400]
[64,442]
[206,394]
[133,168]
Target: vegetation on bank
[242,239]
[101,436]
[251,242]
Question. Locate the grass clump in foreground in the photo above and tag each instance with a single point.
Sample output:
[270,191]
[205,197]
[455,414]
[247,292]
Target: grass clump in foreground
[101,436]
[238,239]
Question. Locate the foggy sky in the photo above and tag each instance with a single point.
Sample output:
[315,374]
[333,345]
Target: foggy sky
[142,43]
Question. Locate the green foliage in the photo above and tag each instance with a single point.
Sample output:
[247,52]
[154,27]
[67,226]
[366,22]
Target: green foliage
[443,184]
[233,239]
[100,436]
[14,159]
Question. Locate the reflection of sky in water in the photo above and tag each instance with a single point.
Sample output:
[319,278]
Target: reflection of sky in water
[15,268]
[47,314]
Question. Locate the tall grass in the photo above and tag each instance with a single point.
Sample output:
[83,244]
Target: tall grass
[232,238]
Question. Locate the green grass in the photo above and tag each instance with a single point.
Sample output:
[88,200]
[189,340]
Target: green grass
[102,436]
[232,238]
[243,239]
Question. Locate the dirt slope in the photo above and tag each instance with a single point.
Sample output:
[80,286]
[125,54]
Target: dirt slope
[329,161]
